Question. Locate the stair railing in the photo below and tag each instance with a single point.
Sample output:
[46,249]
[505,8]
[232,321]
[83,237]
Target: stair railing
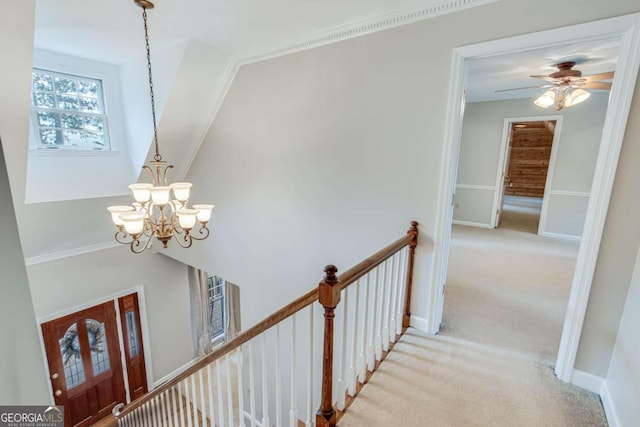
[243,382]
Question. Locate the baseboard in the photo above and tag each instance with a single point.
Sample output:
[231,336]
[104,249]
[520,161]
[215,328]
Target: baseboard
[170,375]
[472,224]
[609,406]
[587,381]
[561,236]
[420,323]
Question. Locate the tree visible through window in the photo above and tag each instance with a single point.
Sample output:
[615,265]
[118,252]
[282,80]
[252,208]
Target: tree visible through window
[68,111]
[216,308]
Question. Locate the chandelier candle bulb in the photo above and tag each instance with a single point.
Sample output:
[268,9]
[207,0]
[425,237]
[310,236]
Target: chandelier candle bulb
[133,222]
[181,190]
[116,211]
[204,212]
[141,192]
[187,218]
[160,195]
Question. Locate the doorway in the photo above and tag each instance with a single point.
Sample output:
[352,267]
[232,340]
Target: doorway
[83,351]
[625,29]
[527,153]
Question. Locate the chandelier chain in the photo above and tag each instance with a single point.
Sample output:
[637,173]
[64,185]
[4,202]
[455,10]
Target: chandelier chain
[157,156]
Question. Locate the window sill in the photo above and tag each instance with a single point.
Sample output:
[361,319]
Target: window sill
[55,152]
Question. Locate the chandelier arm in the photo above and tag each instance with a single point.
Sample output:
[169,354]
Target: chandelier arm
[157,156]
[203,233]
[137,247]
[153,178]
[188,240]
[122,236]
[164,175]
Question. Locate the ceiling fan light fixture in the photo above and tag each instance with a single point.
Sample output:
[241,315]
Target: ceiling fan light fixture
[546,100]
[576,96]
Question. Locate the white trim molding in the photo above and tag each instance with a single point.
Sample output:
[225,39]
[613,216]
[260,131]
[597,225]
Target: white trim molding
[569,193]
[609,406]
[587,381]
[476,187]
[472,224]
[419,323]
[67,253]
[571,237]
[627,30]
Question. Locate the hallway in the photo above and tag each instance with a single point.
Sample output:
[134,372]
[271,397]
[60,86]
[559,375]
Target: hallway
[492,363]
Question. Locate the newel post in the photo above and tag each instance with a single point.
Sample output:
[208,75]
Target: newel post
[413,236]
[329,297]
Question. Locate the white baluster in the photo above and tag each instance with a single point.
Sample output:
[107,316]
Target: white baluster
[362,362]
[240,388]
[293,412]
[310,413]
[265,389]
[403,283]
[179,411]
[395,279]
[202,412]
[353,376]
[342,384]
[187,401]
[212,411]
[371,357]
[163,409]
[379,310]
[252,387]
[194,400]
[157,404]
[220,399]
[387,306]
[227,368]
[278,389]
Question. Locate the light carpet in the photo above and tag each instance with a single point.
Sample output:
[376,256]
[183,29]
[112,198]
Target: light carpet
[492,364]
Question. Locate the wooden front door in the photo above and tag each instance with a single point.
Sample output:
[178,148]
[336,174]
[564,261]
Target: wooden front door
[84,362]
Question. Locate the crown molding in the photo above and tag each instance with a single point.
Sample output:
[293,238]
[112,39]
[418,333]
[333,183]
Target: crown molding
[67,253]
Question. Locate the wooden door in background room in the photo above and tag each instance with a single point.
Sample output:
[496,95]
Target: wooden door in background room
[525,174]
[133,349]
[83,352]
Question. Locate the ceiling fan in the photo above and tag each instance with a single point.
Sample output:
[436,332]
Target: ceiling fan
[567,86]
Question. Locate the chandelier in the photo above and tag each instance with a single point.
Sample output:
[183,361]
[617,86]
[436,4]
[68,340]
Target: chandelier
[154,213]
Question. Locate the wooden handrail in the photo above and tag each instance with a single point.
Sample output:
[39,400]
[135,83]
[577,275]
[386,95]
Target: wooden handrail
[244,336]
[359,270]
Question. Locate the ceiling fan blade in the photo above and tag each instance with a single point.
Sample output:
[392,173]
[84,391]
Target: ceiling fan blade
[598,77]
[597,85]
[520,88]
[547,78]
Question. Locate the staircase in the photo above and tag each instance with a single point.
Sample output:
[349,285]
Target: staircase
[303,365]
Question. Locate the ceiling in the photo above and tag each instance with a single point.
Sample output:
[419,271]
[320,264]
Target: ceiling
[486,75]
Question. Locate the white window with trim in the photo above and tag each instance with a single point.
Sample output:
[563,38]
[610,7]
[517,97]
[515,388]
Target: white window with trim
[68,112]
[217,315]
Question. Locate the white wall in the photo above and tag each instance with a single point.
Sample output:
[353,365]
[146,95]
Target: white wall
[577,151]
[623,378]
[72,283]
[22,376]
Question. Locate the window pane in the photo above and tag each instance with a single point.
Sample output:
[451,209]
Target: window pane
[65,86]
[89,89]
[73,138]
[42,82]
[66,102]
[132,333]
[90,105]
[73,121]
[94,124]
[49,119]
[95,139]
[42,99]
[51,137]
[71,358]
[98,346]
